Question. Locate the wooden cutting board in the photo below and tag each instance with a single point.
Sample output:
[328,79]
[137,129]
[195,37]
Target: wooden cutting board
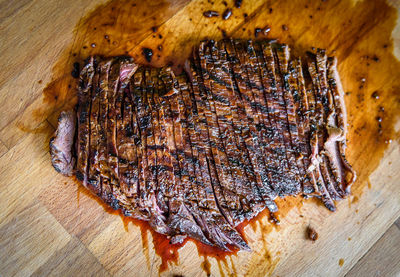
[47,227]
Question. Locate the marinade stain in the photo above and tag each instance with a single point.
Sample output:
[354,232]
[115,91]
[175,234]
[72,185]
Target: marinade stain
[358,34]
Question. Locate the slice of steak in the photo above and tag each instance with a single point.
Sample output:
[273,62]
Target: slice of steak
[127,156]
[111,130]
[137,92]
[245,123]
[61,145]
[328,118]
[106,144]
[165,174]
[337,130]
[127,69]
[158,218]
[208,137]
[283,55]
[94,171]
[83,114]
[218,228]
[317,137]
[299,96]
[223,98]
[187,218]
[218,133]
[272,149]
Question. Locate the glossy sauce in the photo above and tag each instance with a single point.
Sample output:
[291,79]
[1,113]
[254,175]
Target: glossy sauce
[359,35]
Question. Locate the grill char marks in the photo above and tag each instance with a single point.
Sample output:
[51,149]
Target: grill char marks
[224,101]
[184,216]
[220,224]
[218,132]
[139,88]
[299,97]
[249,183]
[277,117]
[83,112]
[248,119]
[193,188]
[197,154]
[282,53]
[210,215]
[94,170]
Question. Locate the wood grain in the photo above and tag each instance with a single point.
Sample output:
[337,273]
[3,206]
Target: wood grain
[49,227]
[383,259]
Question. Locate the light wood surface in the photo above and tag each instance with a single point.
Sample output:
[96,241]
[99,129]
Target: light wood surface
[48,228]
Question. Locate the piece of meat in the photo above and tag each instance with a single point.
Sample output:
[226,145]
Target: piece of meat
[249,119]
[198,154]
[83,114]
[61,145]
[311,234]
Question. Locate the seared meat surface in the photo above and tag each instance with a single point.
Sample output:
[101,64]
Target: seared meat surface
[197,154]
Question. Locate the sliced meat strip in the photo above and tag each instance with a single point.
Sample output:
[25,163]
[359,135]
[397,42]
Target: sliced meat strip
[187,218]
[83,114]
[218,228]
[114,84]
[109,165]
[137,92]
[219,133]
[274,151]
[94,171]
[165,174]
[317,63]
[286,117]
[209,137]
[102,161]
[127,69]
[201,175]
[126,148]
[246,121]
[175,189]
[329,114]
[277,115]
[338,156]
[158,219]
[299,95]
[317,138]
[313,140]
[127,156]
[235,148]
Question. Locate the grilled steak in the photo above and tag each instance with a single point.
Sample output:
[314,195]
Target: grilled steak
[197,154]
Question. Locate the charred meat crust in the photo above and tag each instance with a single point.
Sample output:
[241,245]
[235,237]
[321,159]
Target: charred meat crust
[197,154]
